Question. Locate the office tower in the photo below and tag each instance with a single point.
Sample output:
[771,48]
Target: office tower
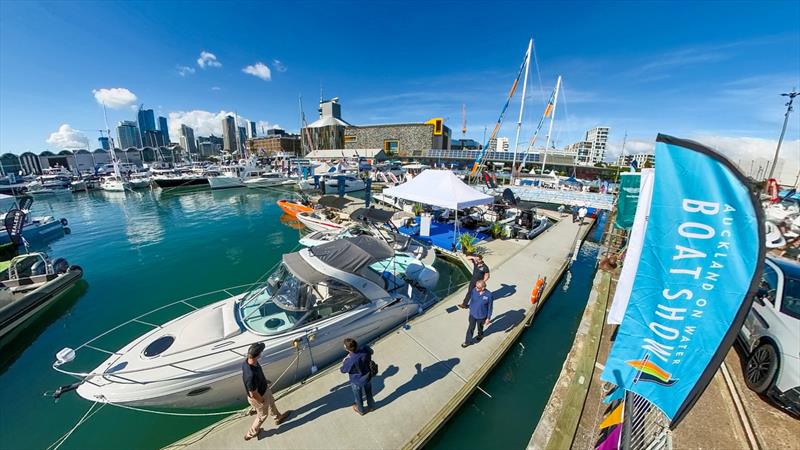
[128,135]
[229,134]
[187,139]
[104,143]
[162,127]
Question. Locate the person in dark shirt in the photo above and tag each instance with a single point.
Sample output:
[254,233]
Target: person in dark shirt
[357,365]
[480,312]
[480,271]
[259,395]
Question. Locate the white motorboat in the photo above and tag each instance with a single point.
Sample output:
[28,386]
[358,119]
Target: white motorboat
[376,223]
[139,180]
[246,173]
[324,219]
[34,228]
[114,183]
[78,185]
[351,183]
[315,298]
[30,283]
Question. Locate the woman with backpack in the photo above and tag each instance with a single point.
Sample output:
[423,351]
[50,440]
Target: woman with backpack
[359,365]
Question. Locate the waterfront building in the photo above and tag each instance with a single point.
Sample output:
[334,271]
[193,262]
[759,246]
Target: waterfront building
[206,149]
[592,149]
[277,132]
[251,130]
[327,132]
[104,144]
[163,128]
[400,139]
[218,142]
[128,134]
[153,138]
[642,160]
[465,144]
[274,143]
[187,139]
[229,134]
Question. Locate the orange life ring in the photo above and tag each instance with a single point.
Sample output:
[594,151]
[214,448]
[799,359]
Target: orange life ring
[537,290]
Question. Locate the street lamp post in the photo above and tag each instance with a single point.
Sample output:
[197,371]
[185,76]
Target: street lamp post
[791,96]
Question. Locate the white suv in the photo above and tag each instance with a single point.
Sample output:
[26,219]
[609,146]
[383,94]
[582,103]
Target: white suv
[771,335]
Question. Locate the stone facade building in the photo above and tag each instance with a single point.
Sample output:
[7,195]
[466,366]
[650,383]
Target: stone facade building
[402,139]
[269,145]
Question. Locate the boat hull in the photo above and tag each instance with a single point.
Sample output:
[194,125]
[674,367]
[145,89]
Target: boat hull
[181,182]
[224,182]
[316,224]
[222,386]
[292,209]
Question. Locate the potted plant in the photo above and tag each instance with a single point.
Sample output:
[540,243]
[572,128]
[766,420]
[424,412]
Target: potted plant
[496,230]
[467,243]
[417,209]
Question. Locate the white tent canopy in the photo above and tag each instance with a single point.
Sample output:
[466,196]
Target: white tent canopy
[439,188]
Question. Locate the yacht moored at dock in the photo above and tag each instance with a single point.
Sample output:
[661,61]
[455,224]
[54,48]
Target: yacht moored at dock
[315,298]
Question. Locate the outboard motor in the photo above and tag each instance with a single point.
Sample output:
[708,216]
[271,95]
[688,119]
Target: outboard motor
[422,275]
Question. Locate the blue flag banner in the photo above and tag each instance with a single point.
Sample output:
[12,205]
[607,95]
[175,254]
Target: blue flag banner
[702,254]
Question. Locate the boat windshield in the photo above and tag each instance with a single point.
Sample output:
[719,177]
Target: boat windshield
[278,305]
[285,302]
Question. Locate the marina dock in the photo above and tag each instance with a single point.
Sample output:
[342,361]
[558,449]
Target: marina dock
[424,374]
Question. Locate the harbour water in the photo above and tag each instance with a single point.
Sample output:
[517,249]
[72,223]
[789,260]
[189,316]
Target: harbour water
[142,250]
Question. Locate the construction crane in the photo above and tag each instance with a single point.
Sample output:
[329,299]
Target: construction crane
[463,121]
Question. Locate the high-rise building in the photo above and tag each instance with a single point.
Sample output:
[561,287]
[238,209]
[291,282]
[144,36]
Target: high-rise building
[229,134]
[103,140]
[251,130]
[153,138]
[128,135]
[187,139]
[146,120]
[162,127]
[206,149]
[592,149]
[242,137]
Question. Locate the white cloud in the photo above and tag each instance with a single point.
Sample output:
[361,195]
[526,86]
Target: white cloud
[262,126]
[185,70]
[115,98]
[259,70]
[208,59]
[278,65]
[751,153]
[67,137]
[216,88]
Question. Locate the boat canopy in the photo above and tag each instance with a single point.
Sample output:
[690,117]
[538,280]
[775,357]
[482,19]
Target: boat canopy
[333,201]
[372,214]
[352,254]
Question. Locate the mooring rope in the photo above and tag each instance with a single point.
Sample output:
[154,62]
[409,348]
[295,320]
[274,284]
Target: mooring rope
[60,441]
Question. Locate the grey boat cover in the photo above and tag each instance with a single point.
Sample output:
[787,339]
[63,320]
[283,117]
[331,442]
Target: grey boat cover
[348,255]
[372,214]
[332,201]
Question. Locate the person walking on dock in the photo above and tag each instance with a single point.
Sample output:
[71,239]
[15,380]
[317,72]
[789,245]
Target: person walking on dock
[582,213]
[358,364]
[259,395]
[480,311]
[480,272]
[574,213]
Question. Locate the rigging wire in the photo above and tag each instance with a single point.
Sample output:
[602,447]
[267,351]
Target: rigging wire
[538,73]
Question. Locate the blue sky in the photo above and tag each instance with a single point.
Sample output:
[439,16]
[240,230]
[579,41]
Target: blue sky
[712,70]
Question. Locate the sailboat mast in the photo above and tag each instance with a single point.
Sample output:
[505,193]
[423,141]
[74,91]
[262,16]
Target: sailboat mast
[111,143]
[552,117]
[521,107]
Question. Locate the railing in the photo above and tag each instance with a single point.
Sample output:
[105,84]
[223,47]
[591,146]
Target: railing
[645,426]
[198,301]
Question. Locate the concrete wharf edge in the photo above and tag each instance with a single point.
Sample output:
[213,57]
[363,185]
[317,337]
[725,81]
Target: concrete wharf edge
[422,405]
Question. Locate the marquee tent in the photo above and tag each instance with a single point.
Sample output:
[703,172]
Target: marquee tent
[439,188]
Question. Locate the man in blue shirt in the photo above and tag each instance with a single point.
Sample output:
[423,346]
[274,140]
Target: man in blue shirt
[357,365]
[480,311]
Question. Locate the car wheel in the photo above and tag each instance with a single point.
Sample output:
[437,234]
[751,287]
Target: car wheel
[762,365]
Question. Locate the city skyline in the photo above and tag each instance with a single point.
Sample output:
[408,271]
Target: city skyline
[625,67]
